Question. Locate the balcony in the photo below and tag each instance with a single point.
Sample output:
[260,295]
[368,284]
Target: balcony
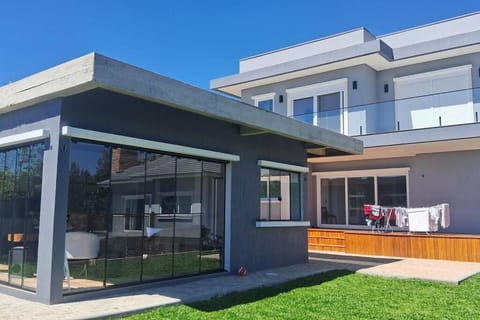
[428,111]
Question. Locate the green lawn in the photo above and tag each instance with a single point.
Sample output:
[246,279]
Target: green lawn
[338,295]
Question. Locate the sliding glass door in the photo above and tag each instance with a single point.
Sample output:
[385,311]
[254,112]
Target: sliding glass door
[342,195]
[141,216]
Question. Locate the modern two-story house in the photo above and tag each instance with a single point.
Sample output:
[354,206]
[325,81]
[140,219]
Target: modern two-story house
[411,96]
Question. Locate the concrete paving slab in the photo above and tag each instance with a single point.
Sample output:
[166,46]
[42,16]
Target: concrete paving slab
[424,269]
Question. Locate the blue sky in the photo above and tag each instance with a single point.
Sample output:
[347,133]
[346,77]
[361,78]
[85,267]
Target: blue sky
[192,41]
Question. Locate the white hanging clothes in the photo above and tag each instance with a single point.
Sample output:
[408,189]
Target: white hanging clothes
[445,217]
[418,219]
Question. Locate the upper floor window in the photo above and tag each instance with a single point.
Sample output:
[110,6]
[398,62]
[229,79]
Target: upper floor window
[322,104]
[265,101]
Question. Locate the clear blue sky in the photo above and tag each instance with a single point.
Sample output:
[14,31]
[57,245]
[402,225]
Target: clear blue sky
[192,41]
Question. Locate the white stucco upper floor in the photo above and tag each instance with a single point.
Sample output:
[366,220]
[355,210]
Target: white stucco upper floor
[435,41]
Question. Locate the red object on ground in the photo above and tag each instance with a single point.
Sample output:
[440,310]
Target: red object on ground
[242,271]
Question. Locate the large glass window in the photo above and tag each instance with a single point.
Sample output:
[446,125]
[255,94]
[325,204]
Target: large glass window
[279,195]
[360,191]
[342,197]
[141,216]
[303,109]
[20,190]
[320,104]
[392,191]
[124,249]
[329,111]
[333,201]
[87,218]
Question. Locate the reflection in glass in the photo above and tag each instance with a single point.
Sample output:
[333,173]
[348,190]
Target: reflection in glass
[213,207]
[280,195]
[392,191]
[20,187]
[329,111]
[187,217]
[361,191]
[159,216]
[266,105]
[303,110]
[124,249]
[144,216]
[88,206]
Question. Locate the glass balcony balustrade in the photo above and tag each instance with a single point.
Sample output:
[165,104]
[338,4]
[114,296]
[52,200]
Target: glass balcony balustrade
[428,111]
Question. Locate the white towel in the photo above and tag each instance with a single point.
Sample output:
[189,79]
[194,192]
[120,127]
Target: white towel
[418,219]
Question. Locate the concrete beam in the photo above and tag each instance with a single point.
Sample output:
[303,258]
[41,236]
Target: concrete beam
[247,131]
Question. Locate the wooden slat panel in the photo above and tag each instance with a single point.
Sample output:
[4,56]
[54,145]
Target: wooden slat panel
[326,240]
[434,246]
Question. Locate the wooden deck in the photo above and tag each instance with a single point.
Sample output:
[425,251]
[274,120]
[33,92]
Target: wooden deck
[457,247]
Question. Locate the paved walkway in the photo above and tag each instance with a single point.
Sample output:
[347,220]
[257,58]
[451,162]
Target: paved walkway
[188,291]
[434,270]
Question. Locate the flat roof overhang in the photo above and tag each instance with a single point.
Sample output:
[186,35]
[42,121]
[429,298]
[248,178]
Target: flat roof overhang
[376,54]
[96,71]
[409,143]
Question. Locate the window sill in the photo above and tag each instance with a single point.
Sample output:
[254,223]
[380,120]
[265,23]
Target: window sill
[281,224]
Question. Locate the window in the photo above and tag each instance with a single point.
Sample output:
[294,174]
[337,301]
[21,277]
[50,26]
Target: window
[321,104]
[341,195]
[20,195]
[133,204]
[437,98]
[264,101]
[280,193]
[142,216]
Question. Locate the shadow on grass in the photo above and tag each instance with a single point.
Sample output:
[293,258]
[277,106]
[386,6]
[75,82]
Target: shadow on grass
[252,295]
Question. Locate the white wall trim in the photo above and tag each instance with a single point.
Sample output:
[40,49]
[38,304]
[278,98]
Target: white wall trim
[228,217]
[431,74]
[147,144]
[282,166]
[23,137]
[363,173]
[282,224]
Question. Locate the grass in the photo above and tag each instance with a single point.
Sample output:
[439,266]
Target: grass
[337,295]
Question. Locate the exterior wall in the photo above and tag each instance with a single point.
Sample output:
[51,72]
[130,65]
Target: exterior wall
[256,248]
[370,82]
[451,177]
[365,92]
[330,43]
[386,76]
[52,218]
